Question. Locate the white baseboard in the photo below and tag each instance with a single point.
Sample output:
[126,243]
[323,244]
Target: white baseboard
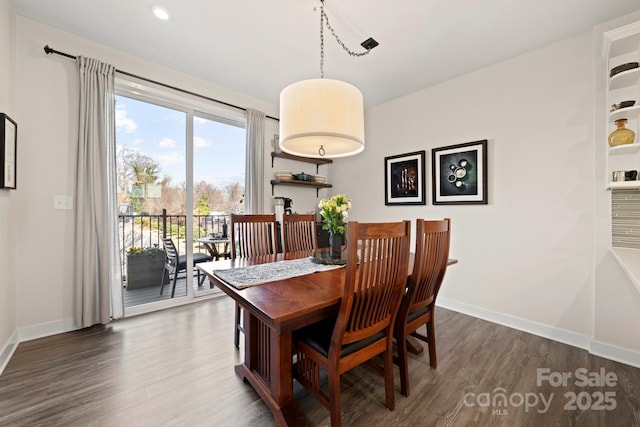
[617,354]
[7,351]
[46,329]
[535,328]
[596,348]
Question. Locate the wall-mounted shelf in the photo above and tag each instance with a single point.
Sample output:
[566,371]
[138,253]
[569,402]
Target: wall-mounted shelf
[629,113]
[624,149]
[312,160]
[298,183]
[625,79]
[629,185]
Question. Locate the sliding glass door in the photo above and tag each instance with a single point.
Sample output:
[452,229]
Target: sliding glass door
[180,174]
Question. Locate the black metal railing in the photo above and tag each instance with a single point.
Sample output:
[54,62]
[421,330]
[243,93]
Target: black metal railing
[146,231]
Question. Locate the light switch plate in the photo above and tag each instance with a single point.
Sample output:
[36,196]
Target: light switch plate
[62,202]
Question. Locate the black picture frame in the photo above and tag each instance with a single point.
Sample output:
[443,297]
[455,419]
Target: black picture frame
[459,174]
[404,177]
[8,152]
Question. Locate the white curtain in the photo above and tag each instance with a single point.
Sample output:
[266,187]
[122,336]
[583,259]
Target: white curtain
[97,281]
[254,169]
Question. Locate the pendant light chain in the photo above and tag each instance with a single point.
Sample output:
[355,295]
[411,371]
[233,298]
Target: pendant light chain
[324,20]
[322,15]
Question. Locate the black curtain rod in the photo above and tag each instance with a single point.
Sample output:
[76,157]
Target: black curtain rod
[49,50]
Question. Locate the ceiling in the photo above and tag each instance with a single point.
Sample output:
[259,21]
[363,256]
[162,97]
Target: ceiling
[258,47]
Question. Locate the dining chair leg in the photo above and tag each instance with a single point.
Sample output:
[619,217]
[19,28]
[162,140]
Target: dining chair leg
[403,364]
[431,342]
[334,400]
[388,378]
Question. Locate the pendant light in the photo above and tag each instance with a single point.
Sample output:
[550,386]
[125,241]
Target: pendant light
[323,117]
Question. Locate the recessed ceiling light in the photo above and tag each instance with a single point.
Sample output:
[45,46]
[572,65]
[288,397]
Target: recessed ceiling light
[160,13]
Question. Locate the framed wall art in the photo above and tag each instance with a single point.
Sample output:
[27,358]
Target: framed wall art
[460,174]
[404,177]
[8,151]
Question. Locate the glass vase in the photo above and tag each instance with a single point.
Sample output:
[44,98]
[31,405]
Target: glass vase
[335,245]
[621,135]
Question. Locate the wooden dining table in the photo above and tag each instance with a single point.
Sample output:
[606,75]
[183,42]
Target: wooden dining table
[272,311]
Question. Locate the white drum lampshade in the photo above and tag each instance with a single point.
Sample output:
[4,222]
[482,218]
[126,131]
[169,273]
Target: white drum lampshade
[321,118]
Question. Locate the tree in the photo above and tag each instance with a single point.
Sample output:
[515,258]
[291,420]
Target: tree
[135,172]
[202,208]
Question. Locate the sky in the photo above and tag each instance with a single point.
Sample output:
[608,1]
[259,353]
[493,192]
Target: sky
[160,133]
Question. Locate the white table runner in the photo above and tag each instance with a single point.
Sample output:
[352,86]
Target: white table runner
[259,274]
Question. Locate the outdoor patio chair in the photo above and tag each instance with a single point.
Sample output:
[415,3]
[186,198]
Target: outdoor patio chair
[176,263]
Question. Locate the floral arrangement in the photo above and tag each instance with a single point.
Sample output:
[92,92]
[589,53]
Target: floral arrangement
[136,250]
[335,212]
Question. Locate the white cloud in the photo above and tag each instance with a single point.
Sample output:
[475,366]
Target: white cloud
[138,141]
[201,142]
[200,120]
[123,122]
[167,143]
[169,159]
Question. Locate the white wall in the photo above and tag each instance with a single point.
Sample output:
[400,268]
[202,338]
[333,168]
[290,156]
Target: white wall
[47,111]
[8,337]
[526,258]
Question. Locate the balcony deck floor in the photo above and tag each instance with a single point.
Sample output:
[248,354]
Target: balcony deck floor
[149,294]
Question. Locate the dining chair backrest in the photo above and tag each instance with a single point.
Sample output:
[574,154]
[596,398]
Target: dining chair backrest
[253,235]
[418,304]
[375,279]
[299,232]
[376,273]
[431,257]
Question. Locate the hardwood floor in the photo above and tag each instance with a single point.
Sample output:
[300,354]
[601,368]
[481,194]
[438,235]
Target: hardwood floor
[175,368]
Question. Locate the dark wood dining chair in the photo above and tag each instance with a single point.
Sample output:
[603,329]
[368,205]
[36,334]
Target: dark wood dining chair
[375,279]
[176,263]
[251,235]
[419,301]
[299,232]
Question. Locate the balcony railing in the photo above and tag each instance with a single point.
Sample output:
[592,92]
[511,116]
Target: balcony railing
[146,231]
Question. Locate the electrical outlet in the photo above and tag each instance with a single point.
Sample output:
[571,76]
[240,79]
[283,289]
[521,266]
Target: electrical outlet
[61,202]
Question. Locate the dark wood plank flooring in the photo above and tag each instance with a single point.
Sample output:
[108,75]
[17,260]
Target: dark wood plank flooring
[175,368]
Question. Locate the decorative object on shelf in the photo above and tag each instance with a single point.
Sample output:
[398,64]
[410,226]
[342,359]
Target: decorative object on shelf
[303,177]
[404,177]
[622,135]
[624,67]
[459,174]
[284,175]
[619,176]
[622,104]
[8,151]
[323,117]
[334,212]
